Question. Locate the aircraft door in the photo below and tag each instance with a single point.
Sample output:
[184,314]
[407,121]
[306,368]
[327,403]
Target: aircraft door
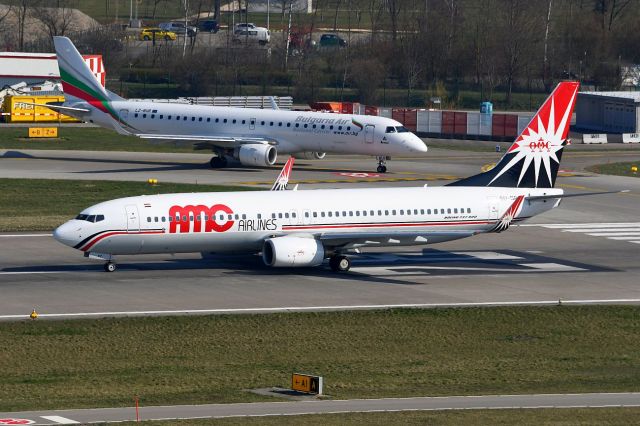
[133,220]
[252,124]
[124,116]
[493,207]
[369,132]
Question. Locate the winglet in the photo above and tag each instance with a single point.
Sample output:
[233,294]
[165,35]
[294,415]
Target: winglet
[283,178]
[274,104]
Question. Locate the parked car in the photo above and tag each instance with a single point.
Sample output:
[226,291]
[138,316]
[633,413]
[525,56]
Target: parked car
[243,25]
[332,40]
[258,35]
[179,28]
[157,34]
[210,26]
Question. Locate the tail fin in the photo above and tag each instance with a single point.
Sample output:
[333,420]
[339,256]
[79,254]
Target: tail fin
[534,158]
[283,178]
[77,79]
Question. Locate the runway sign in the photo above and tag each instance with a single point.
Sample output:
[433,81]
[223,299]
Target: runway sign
[631,138]
[43,132]
[306,383]
[594,138]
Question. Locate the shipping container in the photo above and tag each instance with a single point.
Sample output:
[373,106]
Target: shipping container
[473,123]
[398,115]
[511,126]
[422,125]
[448,122]
[384,112]
[326,106]
[523,121]
[410,119]
[485,125]
[497,125]
[21,109]
[370,110]
[350,108]
[460,123]
[435,122]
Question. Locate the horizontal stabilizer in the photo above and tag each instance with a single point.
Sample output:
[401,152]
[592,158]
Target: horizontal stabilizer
[60,108]
[584,194]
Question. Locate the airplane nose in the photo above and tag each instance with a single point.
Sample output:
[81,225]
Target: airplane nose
[68,234]
[415,144]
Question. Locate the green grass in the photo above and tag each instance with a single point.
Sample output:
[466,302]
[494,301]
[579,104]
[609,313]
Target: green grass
[565,417]
[619,169]
[393,353]
[43,204]
[85,139]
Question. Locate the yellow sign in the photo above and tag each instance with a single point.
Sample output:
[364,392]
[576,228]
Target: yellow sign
[43,132]
[306,383]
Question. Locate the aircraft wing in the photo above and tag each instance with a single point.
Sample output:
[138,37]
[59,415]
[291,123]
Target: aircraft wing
[372,239]
[210,140]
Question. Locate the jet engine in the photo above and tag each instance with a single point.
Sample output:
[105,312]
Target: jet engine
[307,155]
[292,251]
[257,155]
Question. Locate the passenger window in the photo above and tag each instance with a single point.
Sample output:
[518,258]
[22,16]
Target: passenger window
[364,213]
[393,212]
[161,116]
[244,121]
[199,118]
[448,211]
[357,212]
[224,120]
[149,219]
[468,210]
[322,127]
[330,214]
[217,120]
[306,214]
[344,213]
[314,126]
[135,115]
[286,215]
[193,119]
[322,214]
[386,212]
[331,127]
[339,127]
[163,219]
[415,211]
[262,123]
[244,216]
[168,117]
[379,212]
[348,128]
[297,124]
[273,215]
[170,218]
[350,213]
[259,216]
[288,124]
[190,218]
[206,217]
[271,123]
[279,215]
[237,217]
[198,218]
[455,210]
[279,124]
[208,119]
[184,118]
[306,125]
[229,217]
[155,219]
[441,211]
[421,211]
[402,212]
[144,115]
[315,214]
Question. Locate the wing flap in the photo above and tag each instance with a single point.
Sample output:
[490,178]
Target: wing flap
[360,239]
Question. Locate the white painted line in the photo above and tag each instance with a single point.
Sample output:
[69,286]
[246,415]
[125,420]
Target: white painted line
[33,272]
[623,238]
[486,255]
[585,230]
[24,235]
[615,234]
[635,242]
[60,420]
[552,267]
[329,308]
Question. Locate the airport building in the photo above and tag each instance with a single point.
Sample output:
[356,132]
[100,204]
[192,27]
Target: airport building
[608,112]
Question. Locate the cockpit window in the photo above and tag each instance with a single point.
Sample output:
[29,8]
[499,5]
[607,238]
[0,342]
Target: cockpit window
[91,218]
[390,129]
[402,129]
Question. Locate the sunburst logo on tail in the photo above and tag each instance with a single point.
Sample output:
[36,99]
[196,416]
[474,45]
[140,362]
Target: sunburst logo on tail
[509,215]
[353,120]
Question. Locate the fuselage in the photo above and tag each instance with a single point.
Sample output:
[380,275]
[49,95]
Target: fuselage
[290,131]
[241,221]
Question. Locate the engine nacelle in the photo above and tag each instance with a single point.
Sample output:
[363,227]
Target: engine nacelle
[292,251]
[257,155]
[308,155]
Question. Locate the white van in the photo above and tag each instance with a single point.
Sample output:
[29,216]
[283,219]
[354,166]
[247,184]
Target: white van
[257,34]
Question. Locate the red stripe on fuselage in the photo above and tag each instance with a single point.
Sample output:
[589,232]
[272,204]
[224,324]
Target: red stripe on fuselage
[111,234]
[381,225]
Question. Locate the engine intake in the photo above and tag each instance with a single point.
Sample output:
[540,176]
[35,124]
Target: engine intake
[257,155]
[292,252]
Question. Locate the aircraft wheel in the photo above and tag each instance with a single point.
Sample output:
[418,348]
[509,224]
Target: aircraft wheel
[218,162]
[109,267]
[340,263]
[382,169]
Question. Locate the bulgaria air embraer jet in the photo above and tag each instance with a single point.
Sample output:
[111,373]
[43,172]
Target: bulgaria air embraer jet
[253,137]
[302,228]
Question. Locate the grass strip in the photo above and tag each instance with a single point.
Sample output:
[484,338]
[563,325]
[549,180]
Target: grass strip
[564,416]
[43,204]
[618,169]
[391,353]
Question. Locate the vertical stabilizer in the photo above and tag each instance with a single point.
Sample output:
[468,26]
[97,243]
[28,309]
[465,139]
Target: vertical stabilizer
[534,158]
[77,79]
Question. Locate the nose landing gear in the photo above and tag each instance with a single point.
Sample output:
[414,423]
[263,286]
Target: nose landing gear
[382,164]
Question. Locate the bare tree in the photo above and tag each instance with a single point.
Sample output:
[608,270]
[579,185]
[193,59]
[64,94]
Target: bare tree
[57,19]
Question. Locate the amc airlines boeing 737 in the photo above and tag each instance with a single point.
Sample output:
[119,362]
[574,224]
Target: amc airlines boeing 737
[253,137]
[302,228]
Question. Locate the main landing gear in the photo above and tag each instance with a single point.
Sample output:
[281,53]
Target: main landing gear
[109,267]
[218,162]
[382,164]
[339,263]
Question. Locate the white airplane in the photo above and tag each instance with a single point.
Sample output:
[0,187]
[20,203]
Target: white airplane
[253,137]
[303,228]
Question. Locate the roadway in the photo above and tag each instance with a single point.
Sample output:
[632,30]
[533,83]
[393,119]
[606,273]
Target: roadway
[262,409]
[586,250]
